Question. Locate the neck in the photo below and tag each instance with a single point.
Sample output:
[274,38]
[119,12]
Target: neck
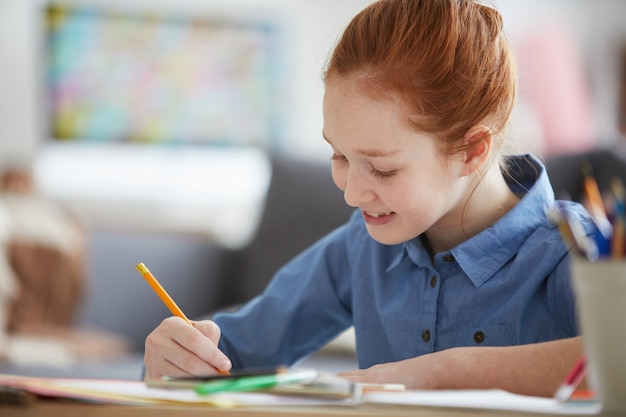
[488,199]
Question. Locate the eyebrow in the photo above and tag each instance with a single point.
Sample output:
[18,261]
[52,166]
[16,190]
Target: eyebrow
[372,153]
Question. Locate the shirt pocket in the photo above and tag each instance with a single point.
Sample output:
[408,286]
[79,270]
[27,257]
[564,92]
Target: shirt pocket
[488,335]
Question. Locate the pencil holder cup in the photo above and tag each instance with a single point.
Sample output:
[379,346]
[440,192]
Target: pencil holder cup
[600,288]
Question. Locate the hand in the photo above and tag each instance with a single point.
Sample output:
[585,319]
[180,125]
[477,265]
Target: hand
[414,373]
[176,349]
[535,369]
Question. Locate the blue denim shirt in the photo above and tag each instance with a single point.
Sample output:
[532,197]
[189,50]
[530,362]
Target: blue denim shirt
[508,285]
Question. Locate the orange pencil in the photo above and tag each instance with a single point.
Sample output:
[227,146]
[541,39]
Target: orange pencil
[160,291]
[167,300]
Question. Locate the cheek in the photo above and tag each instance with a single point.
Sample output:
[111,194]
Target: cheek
[413,198]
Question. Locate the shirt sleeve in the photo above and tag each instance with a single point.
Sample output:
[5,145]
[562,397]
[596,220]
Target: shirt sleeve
[307,303]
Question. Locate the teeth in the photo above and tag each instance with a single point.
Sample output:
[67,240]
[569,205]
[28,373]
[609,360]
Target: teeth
[376,214]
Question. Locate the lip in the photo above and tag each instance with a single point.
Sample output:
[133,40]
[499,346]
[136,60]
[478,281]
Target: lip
[377,221]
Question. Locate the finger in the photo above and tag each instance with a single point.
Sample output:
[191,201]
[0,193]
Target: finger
[205,345]
[355,375]
[187,347]
[173,348]
[160,347]
[159,367]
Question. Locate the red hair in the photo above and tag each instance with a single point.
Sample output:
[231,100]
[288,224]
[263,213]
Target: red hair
[447,60]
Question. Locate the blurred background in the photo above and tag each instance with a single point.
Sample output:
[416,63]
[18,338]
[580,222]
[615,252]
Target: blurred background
[144,98]
[151,129]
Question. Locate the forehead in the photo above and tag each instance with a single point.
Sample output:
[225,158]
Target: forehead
[349,111]
[347,97]
[360,85]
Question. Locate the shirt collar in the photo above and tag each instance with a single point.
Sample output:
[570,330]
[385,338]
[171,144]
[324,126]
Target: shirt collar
[496,245]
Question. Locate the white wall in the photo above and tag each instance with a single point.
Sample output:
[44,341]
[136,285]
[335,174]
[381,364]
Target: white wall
[19,126]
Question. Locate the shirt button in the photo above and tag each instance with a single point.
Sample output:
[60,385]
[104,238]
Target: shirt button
[426,335]
[479,337]
[433,281]
[448,258]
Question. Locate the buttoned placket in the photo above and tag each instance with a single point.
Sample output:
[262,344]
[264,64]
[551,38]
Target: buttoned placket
[431,299]
[427,330]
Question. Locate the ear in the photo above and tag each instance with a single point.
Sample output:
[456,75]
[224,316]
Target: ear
[478,141]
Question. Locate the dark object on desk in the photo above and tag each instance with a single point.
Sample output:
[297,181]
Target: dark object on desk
[15,397]
[302,205]
[566,173]
[237,373]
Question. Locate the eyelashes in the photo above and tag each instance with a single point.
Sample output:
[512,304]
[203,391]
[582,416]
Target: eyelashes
[380,174]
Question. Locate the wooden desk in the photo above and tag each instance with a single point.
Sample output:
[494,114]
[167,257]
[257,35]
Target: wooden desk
[53,408]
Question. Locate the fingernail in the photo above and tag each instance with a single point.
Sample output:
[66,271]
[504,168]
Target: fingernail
[226,365]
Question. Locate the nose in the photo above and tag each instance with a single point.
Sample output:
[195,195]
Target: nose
[355,188]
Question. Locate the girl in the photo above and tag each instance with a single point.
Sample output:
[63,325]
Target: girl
[449,271]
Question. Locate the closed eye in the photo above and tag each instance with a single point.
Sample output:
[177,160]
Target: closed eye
[382,174]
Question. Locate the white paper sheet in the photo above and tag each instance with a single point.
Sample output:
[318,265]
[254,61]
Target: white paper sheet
[483,399]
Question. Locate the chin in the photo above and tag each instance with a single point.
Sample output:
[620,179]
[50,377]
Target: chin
[387,239]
